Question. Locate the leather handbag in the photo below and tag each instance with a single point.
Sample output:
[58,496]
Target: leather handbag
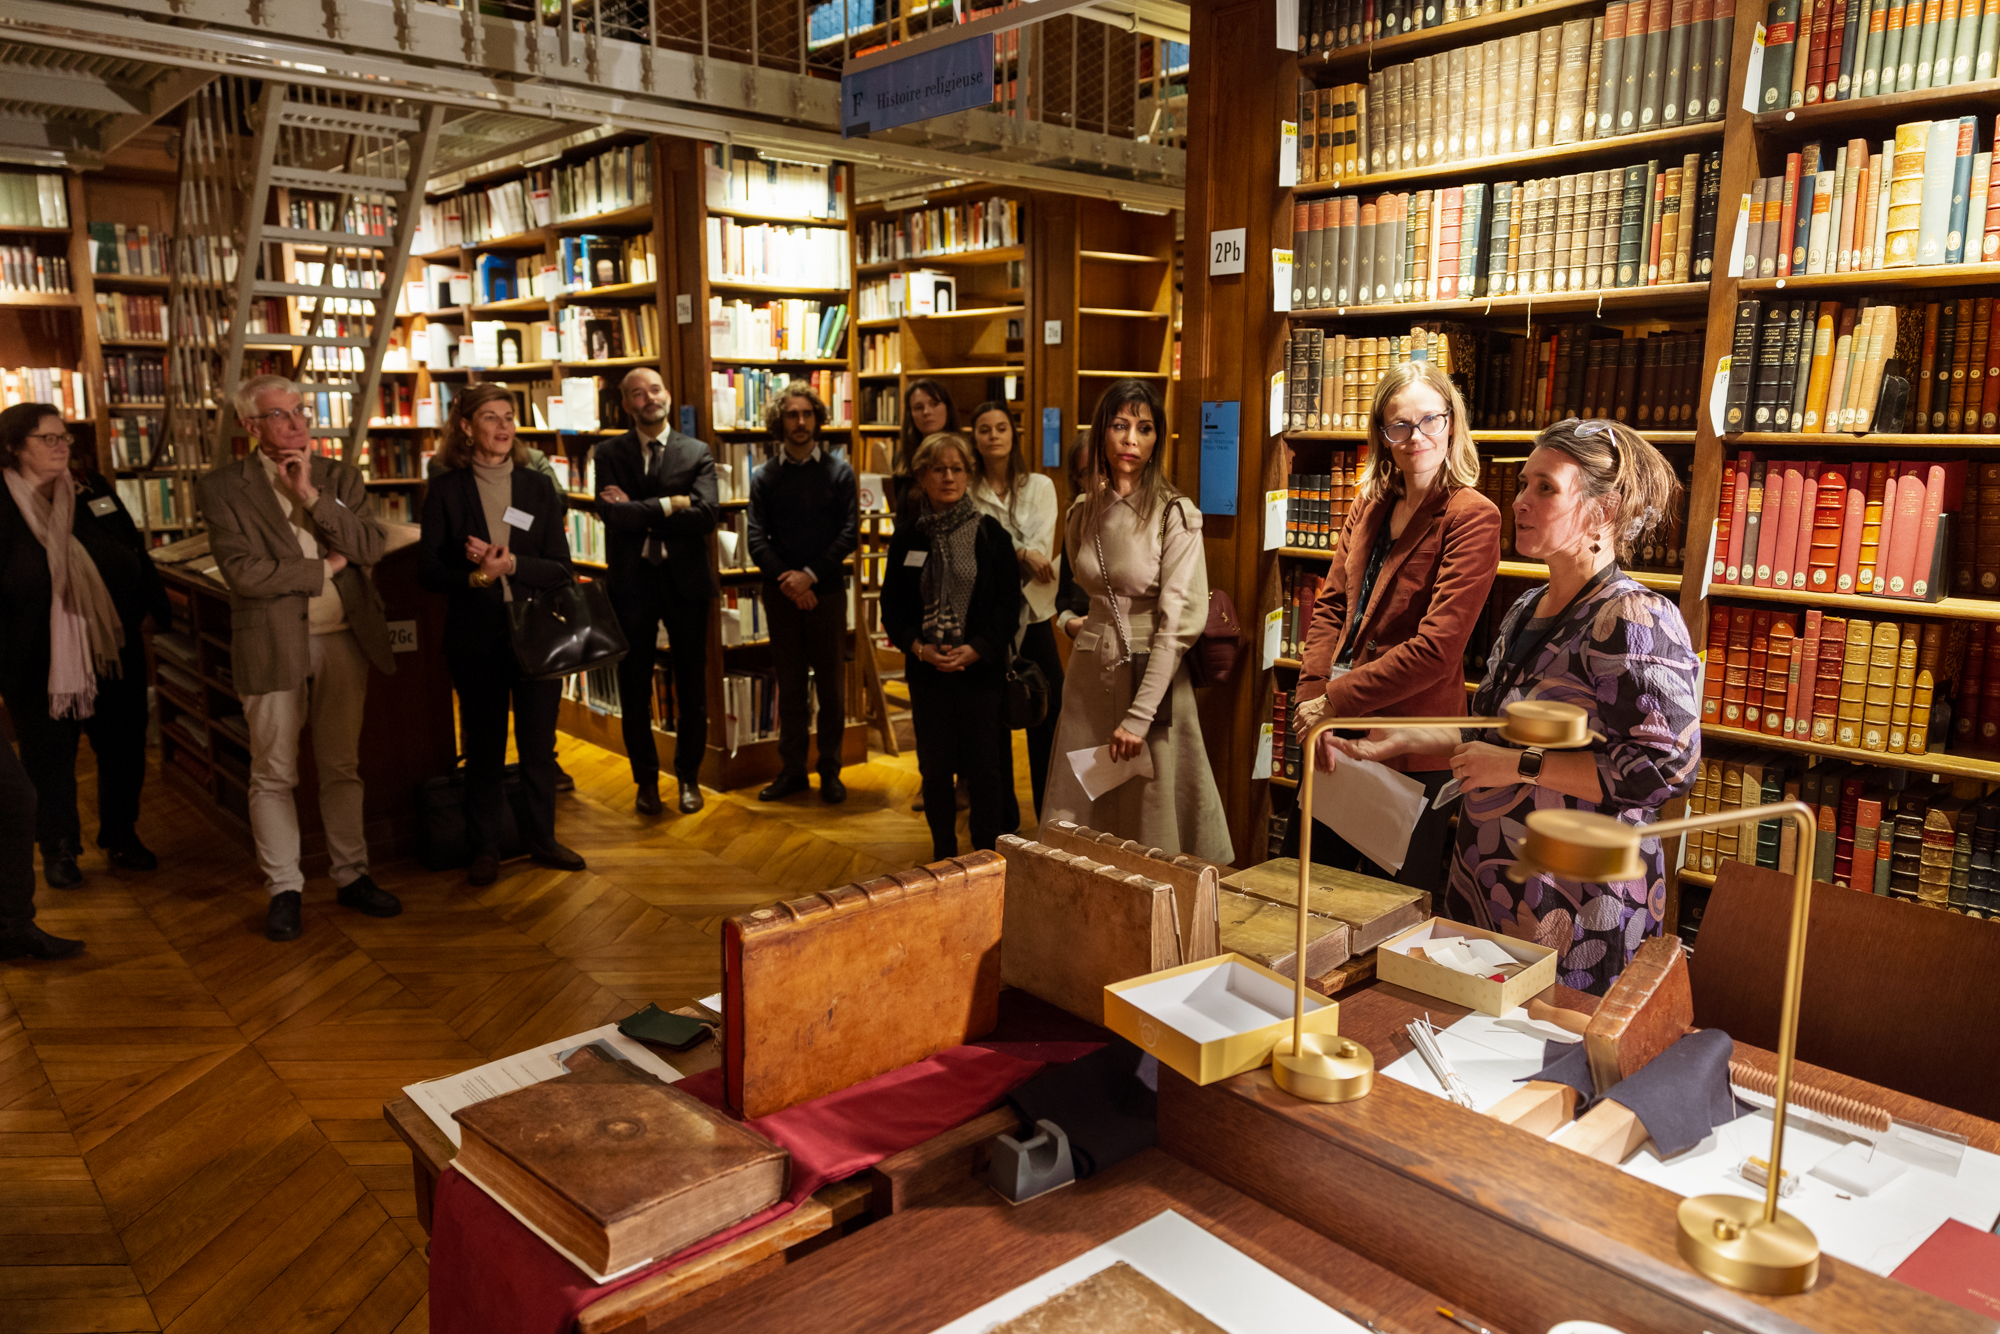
[1027,694]
[1215,655]
[445,841]
[558,632]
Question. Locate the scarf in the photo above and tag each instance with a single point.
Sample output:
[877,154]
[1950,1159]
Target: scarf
[85,633]
[950,570]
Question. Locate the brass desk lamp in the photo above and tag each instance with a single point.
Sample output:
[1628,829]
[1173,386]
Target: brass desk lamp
[1325,1067]
[1729,1238]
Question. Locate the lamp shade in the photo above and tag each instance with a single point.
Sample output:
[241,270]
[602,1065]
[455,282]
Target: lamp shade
[1579,845]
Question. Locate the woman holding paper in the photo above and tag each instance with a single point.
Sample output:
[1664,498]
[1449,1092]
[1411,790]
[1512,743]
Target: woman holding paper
[1596,638]
[1407,582]
[951,600]
[1024,502]
[1128,714]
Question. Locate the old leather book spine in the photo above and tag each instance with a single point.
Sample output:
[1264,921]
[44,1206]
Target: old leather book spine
[1787,541]
[1780,675]
[1631,65]
[1721,45]
[1701,31]
[1572,73]
[1870,63]
[1853,683]
[1878,696]
[1421,107]
[1780,36]
[1716,666]
[1905,692]
[1493,92]
[1586,127]
[1759,667]
[1610,77]
[1826,694]
[1947,40]
[1829,515]
[1836,40]
[1806,651]
[1923,383]
[1941,372]
[1459,88]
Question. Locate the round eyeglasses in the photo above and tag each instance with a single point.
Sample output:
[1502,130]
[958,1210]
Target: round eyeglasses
[1432,425]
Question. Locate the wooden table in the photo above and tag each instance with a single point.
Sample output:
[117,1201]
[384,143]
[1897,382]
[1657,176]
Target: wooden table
[1519,1232]
[956,1250]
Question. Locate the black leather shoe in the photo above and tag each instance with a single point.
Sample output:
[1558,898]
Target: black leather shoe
[648,800]
[690,797]
[784,785]
[59,869]
[36,943]
[555,854]
[129,854]
[364,895]
[831,790]
[564,783]
[484,871]
[282,922]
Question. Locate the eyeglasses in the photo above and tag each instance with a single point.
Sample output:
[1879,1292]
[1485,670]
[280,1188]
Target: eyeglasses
[1592,426]
[65,439]
[303,416]
[1431,424]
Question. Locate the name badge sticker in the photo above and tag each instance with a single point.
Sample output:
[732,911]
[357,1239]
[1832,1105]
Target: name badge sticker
[103,505]
[517,518]
[915,559]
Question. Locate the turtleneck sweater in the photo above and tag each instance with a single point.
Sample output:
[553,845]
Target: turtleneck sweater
[496,497]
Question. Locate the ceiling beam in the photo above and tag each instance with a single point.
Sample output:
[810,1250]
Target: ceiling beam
[76,142]
[79,92]
[166,93]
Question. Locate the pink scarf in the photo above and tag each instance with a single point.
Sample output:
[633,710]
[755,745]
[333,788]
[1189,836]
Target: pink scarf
[84,631]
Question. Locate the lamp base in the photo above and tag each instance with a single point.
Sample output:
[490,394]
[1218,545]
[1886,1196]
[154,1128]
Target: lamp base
[1726,1239]
[1331,1068]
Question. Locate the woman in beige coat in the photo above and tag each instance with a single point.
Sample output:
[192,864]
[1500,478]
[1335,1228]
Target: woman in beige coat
[1135,544]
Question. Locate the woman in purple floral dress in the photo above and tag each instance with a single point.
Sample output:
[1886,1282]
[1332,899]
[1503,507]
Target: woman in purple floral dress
[1595,637]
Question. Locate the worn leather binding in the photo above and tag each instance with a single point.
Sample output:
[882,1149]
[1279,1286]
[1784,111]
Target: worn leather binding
[823,992]
[1194,881]
[1075,925]
[1648,1009]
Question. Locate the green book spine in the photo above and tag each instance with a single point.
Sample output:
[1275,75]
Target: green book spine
[1985,54]
[1966,48]
[1871,55]
[1631,226]
[1781,24]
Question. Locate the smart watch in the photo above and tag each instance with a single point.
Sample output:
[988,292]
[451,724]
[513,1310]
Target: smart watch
[1530,766]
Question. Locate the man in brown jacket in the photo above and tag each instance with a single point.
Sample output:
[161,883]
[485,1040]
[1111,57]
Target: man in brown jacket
[294,534]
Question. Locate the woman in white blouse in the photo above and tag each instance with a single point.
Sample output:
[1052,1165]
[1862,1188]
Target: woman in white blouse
[1024,501]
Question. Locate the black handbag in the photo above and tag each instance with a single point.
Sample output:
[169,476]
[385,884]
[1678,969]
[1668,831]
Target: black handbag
[1027,694]
[558,632]
[445,838]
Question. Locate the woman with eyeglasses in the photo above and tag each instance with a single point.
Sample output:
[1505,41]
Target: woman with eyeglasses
[76,586]
[1594,637]
[492,527]
[1407,583]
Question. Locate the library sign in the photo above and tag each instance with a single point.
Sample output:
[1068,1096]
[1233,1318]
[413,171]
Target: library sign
[958,77]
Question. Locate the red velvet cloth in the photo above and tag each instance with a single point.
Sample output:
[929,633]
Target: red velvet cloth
[491,1275]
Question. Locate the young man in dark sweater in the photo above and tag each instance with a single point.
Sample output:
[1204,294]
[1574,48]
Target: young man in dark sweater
[803,519]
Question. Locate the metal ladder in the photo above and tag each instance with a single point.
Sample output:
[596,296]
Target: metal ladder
[295,217]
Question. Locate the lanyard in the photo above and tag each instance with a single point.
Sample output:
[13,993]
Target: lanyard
[1523,650]
[1359,609]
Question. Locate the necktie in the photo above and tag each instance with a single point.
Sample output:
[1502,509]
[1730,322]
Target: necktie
[654,552]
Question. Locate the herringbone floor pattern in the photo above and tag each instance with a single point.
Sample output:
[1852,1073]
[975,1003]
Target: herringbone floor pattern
[190,1116]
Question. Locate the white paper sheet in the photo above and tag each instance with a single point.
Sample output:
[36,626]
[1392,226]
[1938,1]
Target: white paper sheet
[1099,773]
[1260,767]
[1276,503]
[1877,1232]
[1371,806]
[1277,405]
[1274,635]
[1210,1275]
[441,1097]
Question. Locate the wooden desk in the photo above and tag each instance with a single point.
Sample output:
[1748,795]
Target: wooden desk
[957,1250]
[1518,1231]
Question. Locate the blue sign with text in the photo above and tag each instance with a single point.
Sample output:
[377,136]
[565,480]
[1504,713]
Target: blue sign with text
[1220,432]
[1051,437]
[958,77]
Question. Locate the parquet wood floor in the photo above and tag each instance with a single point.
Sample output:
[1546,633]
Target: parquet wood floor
[191,1136]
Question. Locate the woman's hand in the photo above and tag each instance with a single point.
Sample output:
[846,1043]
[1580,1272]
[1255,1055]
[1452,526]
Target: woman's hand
[957,659]
[494,561]
[1379,744]
[1125,746]
[1037,567]
[1478,764]
[1307,714]
[1073,626]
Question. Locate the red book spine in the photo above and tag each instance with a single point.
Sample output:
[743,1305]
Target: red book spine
[1759,660]
[1927,529]
[1850,542]
[1781,677]
[1836,36]
[1826,693]
[1808,510]
[1903,547]
[1816,57]
[1808,650]
[1788,216]
[1788,527]
[1716,667]
[1971,689]
[1767,531]
[1829,513]
[1741,502]
[1736,675]
[1725,522]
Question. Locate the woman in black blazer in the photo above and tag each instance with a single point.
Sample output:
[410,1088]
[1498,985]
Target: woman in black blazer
[100,688]
[492,526]
[951,600]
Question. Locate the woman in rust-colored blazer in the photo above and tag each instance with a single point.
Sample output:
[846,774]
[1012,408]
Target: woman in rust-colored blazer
[1408,580]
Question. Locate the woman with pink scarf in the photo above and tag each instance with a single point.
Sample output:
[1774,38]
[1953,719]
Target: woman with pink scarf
[75,586]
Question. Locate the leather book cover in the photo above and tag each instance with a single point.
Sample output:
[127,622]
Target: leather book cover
[1739,517]
[1941,370]
[1982,395]
[1902,545]
[1726,836]
[1829,518]
[824,992]
[1117,1300]
[1853,683]
[1701,33]
[1875,518]
[1193,880]
[1268,934]
[1822,366]
[1373,909]
[1961,365]
[1905,691]
[1572,74]
[1801,561]
[1735,666]
[1767,495]
[1420,109]
[1806,653]
[1925,548]
[1759,665]
[1716,665]
[1787,539]
[1074,925]
[1648,1009]
[1778,678]
[1610,76]
[616,1166]
[1586,127]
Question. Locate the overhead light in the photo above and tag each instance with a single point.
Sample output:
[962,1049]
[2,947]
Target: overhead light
[1141,208]
[906,202]
[33,157]
[793,158]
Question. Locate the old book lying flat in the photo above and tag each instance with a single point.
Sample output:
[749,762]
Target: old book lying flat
[1373,909]
[617,1168]
[1118,1300]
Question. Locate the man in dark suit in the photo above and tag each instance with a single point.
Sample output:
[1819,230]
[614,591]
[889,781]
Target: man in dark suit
[656,494]
[803,519]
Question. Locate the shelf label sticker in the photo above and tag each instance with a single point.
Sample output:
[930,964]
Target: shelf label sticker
[1052,333]
[1221,433]
[683,309]
[1051,437]
[1742,241]
[1225,251]
[1281,281]
[1708,566]
[402,636]
[1261,766]
[873,495]
[1275,504]
[1718,394]
[1274,635]
[1753,83]
[1277,403]
[1288,153]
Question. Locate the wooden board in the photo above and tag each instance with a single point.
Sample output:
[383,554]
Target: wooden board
[1375,909]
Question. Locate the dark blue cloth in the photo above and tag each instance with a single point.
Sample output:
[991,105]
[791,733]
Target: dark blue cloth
[1679,1096]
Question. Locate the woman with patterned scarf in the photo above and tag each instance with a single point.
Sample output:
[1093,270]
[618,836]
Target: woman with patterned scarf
[951,601]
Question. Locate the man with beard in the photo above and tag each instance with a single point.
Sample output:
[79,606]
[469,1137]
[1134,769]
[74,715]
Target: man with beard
[803,520]
[656,494]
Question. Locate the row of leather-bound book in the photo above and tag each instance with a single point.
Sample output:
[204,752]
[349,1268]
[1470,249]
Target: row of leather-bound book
[1835,50]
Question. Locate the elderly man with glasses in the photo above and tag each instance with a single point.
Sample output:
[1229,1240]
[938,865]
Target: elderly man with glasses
[294,534]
